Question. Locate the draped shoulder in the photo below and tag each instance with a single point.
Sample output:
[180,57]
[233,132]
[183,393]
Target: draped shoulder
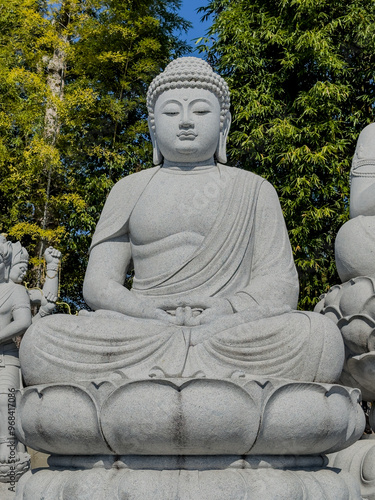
[119,205]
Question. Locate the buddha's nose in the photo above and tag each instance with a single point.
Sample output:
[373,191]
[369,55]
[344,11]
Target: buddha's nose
[186,124]
[186,121]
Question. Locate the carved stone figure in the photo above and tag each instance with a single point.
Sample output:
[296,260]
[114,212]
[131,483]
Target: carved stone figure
[351,304]
[355,241]
[15,317]
[214,285]
[45,299]
[190,385]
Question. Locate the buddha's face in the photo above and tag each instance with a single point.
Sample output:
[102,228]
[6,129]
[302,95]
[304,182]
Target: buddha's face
[18,272]
[187,124]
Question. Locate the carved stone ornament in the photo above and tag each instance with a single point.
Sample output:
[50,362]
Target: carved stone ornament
[190,417]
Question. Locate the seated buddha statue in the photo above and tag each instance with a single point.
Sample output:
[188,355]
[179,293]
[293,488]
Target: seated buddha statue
[215,287]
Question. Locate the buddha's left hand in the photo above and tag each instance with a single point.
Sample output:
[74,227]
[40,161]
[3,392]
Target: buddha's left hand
[195,312]
[213,309]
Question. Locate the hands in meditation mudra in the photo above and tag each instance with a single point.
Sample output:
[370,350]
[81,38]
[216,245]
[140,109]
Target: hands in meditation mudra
[215,286]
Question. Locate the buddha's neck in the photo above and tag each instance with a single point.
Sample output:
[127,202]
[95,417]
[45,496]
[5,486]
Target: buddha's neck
[186,167]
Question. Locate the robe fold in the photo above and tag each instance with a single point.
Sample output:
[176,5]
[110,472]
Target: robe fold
[12,297]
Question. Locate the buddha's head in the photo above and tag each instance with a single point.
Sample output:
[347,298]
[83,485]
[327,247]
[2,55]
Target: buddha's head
[20,261]
[189,118]
[5,259]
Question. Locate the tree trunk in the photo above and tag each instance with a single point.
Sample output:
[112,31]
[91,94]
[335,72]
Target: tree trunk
[55,81]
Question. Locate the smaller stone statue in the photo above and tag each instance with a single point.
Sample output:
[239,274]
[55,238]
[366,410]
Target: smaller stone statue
[46,298]
[352,304]
[15,318]
[355,241]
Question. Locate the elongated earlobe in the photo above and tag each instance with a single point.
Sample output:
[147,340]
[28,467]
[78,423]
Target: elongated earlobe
[157,157]
[221,151]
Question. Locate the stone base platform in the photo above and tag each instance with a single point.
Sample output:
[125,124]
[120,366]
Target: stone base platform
[188,439]
[10,473]
[196,478]
[239,416]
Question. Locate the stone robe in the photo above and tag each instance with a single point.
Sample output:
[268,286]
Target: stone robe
[12,297]
[245,258]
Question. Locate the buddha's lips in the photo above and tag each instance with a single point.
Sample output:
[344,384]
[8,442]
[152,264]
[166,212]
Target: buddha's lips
[183,136]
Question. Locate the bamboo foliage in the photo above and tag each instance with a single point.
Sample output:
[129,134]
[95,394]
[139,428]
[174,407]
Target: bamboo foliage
[73,79]
[302,78]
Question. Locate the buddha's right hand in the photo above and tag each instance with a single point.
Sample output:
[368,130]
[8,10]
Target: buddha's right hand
[180,316]
[143,311]
[148,311]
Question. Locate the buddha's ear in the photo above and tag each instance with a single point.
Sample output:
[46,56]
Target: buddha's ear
[221,151]
[157,157]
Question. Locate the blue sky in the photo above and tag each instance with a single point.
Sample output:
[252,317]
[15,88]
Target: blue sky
[188,11]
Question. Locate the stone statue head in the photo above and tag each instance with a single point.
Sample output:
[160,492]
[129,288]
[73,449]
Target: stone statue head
[190,101]
[5,258]
[20,261]
[363,164]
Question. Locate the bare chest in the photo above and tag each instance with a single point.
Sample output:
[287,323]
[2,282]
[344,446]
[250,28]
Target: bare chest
[173,204]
